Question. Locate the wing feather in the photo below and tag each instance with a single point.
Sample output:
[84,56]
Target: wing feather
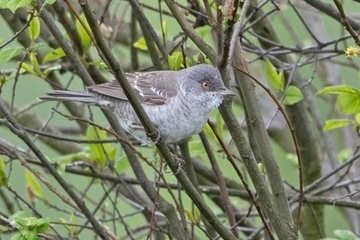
[152,88]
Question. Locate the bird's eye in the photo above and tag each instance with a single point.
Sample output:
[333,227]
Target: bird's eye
[205,85]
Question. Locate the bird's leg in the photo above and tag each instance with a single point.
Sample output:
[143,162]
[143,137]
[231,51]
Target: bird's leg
[151,142]
[179,161]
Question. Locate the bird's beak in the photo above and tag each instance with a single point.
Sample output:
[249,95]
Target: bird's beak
[226,92]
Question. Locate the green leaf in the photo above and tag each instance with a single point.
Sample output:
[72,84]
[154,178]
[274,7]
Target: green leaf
[196,148]
[165,29]
[84,36]
[33,184]
[349,103]
[345,234]
[3,4]
[140,44]
[99,152]
[293,159]
[54,55]
[175,61]
[204,30]
[65,225]
[69,158]
[261,167]
[20,214]
[335,123]
[43,47]
[219,125]
[357,118]
[26,67]
[209,133]
[276,80]
[190,216]
[30,235]
[35,63]
[51,69]
[42,225]
[2,164]
[293,95]
[13,5]
[345,154]
[47,2]
[197,216]
[18,236]
[3,179]
[122,164]
[340,89]
[9,53]
[34,28]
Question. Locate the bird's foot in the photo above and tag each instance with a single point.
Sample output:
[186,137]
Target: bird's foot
[179,163]
[150,142]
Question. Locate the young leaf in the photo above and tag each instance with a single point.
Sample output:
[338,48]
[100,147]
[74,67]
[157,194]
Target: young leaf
[345,154]
[293,95]
[197,216]
[140,44]
[3,4]
[26,67]
[165,28]
[175,60]
[15,4]
[84,36]
[33,184]
[122,164]
[204,30]
[196,148]
[65,225]
[35,64]
[20,214]
[338,90]
[209,133]
[34,28]
[3,178]
[50,69]
[42,225]
[293,159]
[219,124]
[335,123]
[54,55]
[47,2]
[190,216]
[349,103]
[345,234]
[99,152]
[9,53]
[276,80]
[43,47]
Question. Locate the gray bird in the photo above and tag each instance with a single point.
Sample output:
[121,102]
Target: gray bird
[177,102]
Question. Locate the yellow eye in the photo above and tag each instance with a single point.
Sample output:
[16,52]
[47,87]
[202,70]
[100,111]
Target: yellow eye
[205,85]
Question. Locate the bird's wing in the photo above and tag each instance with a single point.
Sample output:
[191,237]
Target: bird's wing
[152,88]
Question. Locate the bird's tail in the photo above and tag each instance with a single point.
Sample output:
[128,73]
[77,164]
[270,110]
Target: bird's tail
[76,96]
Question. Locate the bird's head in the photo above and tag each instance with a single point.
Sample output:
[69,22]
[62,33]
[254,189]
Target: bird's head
[204,83]
[204,79]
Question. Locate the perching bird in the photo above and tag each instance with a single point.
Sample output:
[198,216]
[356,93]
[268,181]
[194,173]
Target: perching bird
[177,102]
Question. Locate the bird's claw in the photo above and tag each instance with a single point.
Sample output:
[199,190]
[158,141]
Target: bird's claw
[149,142]
[179,163]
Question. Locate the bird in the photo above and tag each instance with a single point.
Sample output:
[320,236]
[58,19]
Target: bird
[178,103]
